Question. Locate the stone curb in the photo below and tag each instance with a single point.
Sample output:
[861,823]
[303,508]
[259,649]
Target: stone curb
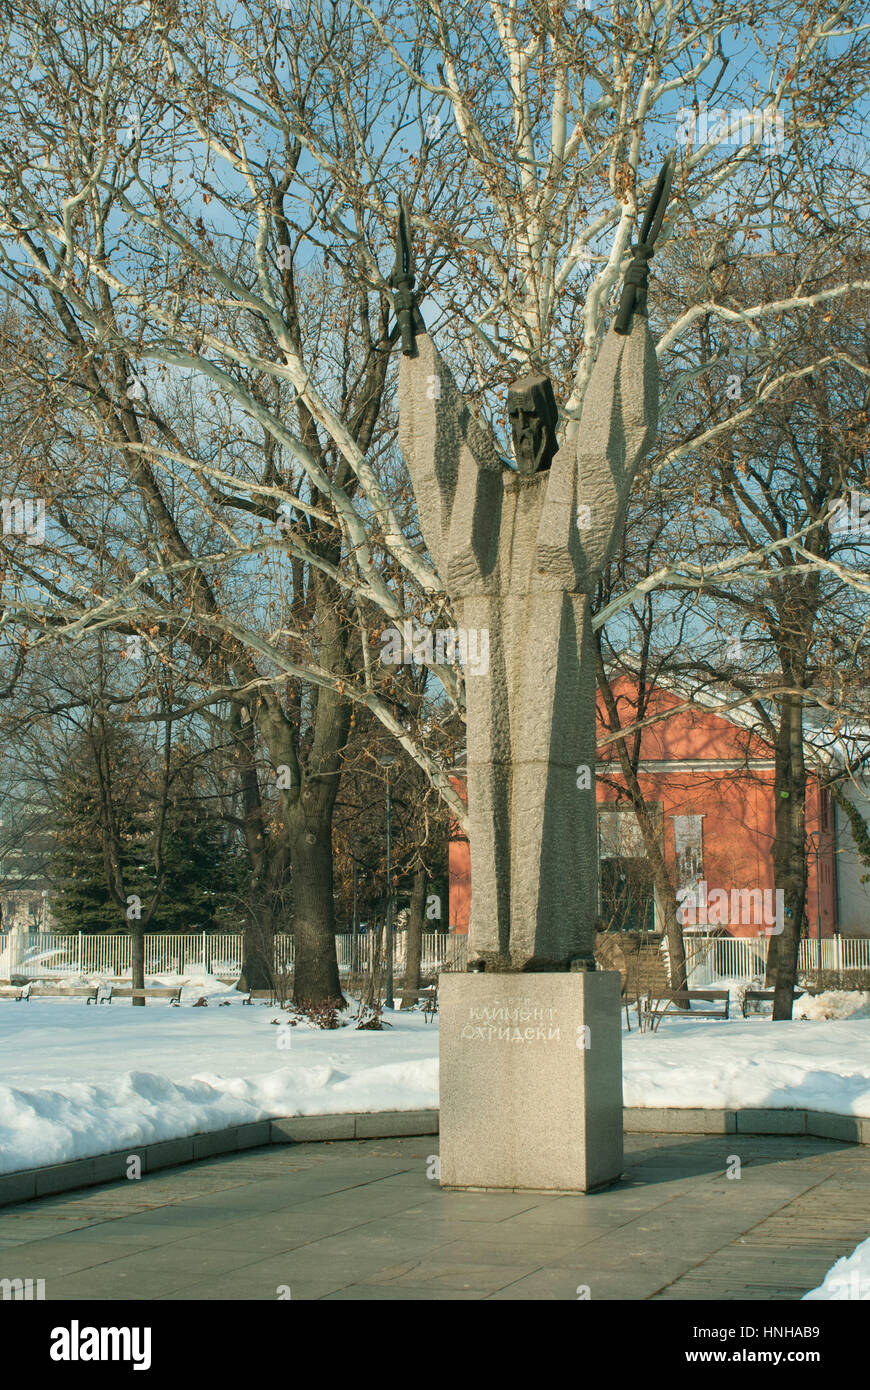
[28,1183]
[816,1124]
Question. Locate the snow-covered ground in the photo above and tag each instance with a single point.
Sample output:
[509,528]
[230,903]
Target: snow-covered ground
[77,1080]
[849,1278]
[753,1062]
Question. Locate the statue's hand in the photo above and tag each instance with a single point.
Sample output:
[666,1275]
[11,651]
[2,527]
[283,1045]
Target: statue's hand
[633,299]
[408,315]
[634,293]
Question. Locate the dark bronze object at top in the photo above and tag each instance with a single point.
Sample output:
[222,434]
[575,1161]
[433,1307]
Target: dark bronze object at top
[633,299]
[408,315]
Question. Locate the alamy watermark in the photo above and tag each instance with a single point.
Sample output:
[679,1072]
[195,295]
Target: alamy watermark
[742,125]
[136,384]
[851,1285]
[24,517]
[440,648]
[745,907]
[850,516]
[22,1290]
[77,1343]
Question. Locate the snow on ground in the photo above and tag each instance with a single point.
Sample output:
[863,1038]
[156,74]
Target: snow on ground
[848,1278]
[835,1003]
[76,1080]
[748,1063]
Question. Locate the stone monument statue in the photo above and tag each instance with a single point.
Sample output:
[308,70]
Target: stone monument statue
[520,551]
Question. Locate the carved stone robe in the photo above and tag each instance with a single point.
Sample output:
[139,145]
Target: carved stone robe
[519,556]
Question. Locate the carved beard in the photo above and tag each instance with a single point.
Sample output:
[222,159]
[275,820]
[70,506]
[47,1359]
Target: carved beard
[529,458]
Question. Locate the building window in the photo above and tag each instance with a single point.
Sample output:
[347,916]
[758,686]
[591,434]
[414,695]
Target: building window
[625,880]
[689,850]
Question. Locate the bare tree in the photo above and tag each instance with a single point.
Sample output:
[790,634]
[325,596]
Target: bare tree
[204,200]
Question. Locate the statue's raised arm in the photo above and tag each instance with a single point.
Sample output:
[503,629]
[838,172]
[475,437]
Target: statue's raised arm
[584,512]
[454,465]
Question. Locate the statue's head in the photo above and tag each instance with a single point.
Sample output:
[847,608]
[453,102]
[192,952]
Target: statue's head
[533,416]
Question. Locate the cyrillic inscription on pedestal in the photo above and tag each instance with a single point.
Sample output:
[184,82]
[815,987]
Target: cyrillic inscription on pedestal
[531,1081]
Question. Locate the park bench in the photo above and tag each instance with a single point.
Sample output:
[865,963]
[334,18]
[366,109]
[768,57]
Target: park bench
[15,992]
[60,991]
[267,995]
[758,996]
[170,992]
[429,995]
[670,997]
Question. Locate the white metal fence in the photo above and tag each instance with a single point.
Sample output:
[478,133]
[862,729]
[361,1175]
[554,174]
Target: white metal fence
[711,958]
[441,950]
[45,955]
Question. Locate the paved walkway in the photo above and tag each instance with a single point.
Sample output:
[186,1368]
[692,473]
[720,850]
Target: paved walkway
[361,1220]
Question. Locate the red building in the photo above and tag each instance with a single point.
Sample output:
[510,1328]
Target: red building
[709,783]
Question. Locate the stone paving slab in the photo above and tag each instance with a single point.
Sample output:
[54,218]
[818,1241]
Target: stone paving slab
[361,1220]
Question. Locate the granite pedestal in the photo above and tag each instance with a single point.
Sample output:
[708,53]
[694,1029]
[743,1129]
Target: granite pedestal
[531,1081]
